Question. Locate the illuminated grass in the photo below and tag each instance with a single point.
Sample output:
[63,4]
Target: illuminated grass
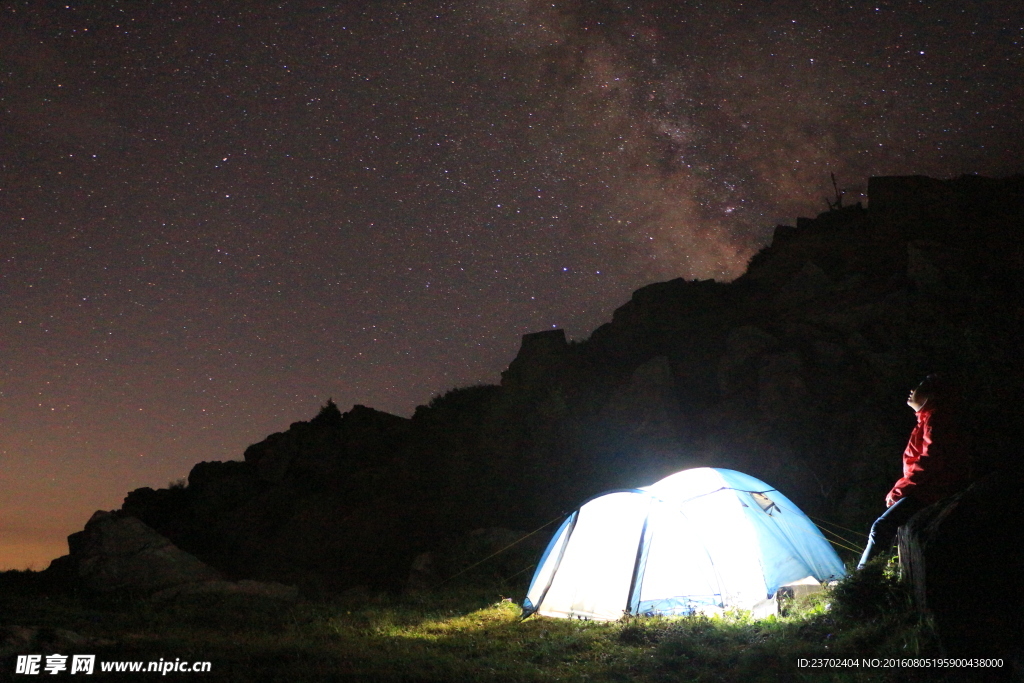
[463,637]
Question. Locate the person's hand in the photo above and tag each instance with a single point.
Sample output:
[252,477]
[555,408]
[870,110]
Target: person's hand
[890,500]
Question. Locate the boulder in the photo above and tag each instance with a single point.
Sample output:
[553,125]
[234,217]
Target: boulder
[781,389]
[35,640]
[963,558]
[14,639]
[538,354]
[737,366]
[647,406]
[809,283]
[117,552]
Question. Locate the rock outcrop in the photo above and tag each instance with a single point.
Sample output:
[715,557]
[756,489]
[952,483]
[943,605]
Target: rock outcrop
[35,639]
[796,373]
[307,506]
[963,558]
[117,552]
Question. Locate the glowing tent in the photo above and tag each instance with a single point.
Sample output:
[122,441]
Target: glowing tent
[699,540]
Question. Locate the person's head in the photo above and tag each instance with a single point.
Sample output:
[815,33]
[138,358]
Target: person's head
[926,391]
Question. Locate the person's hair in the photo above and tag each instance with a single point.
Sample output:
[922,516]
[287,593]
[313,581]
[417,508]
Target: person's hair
[930,384]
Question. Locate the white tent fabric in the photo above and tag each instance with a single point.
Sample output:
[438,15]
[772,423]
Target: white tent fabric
[705,538]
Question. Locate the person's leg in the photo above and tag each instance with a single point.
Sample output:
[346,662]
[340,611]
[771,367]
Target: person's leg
[883,531]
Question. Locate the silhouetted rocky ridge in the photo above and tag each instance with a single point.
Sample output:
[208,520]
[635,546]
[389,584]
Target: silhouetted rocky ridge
[796,373]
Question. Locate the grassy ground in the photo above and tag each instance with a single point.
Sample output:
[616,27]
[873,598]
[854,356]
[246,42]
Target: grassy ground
[476,635]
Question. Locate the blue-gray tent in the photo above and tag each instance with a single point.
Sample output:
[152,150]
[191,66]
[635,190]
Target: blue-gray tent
[700,540]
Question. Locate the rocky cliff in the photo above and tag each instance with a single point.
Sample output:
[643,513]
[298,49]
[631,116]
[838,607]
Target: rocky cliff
[796,373]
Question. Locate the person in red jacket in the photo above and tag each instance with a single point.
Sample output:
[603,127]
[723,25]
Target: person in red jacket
[936,462]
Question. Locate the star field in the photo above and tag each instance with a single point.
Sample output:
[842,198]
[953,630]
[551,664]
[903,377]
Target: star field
[214,216]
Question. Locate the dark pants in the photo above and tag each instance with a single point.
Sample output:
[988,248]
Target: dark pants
[883,531]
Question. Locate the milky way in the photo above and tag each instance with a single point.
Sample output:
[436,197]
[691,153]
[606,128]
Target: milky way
[215,216]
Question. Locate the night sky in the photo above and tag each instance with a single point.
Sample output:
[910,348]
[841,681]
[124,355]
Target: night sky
[216,215]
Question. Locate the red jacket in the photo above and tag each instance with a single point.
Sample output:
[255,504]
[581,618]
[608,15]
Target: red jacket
[936,463]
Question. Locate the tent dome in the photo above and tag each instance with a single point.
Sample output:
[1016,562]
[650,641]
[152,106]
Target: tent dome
[704,538]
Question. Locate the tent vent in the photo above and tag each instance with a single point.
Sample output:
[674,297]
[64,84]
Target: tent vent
[766,503]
